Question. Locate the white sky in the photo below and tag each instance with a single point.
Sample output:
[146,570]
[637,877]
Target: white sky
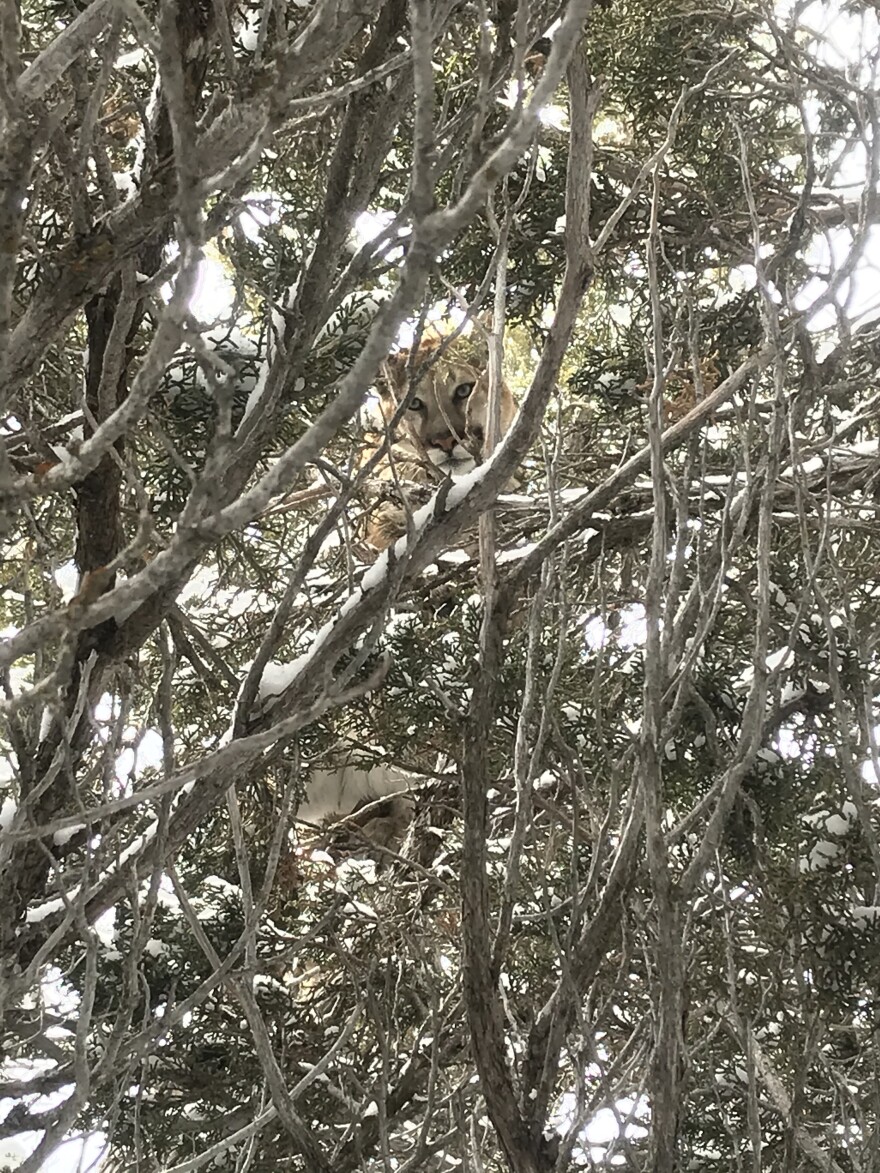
[76,1155]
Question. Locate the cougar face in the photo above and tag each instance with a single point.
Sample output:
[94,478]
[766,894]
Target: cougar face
[436,418]
[442,431]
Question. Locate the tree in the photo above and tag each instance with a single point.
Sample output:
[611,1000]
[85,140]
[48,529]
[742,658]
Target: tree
[631,921]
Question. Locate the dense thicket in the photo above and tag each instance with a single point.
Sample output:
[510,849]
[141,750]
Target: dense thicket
[632,922]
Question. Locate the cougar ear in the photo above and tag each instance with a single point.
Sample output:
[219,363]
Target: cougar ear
[391,381]
[393,378]
[472,349]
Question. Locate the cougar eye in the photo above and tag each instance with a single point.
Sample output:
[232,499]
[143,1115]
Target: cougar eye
[462,391]
[416,404]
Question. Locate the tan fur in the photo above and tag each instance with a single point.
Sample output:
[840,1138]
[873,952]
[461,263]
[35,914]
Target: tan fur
[441,431]
[340,788]
[476,422]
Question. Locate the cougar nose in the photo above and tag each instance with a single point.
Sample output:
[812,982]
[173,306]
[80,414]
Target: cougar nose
[444,441]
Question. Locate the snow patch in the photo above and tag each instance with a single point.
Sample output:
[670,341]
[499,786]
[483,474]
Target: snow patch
[7,813]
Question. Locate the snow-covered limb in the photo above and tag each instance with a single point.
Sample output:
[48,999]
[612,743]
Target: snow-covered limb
[673,437]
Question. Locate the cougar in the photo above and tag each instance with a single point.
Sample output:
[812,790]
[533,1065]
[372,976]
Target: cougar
[338,792]
[442,432]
